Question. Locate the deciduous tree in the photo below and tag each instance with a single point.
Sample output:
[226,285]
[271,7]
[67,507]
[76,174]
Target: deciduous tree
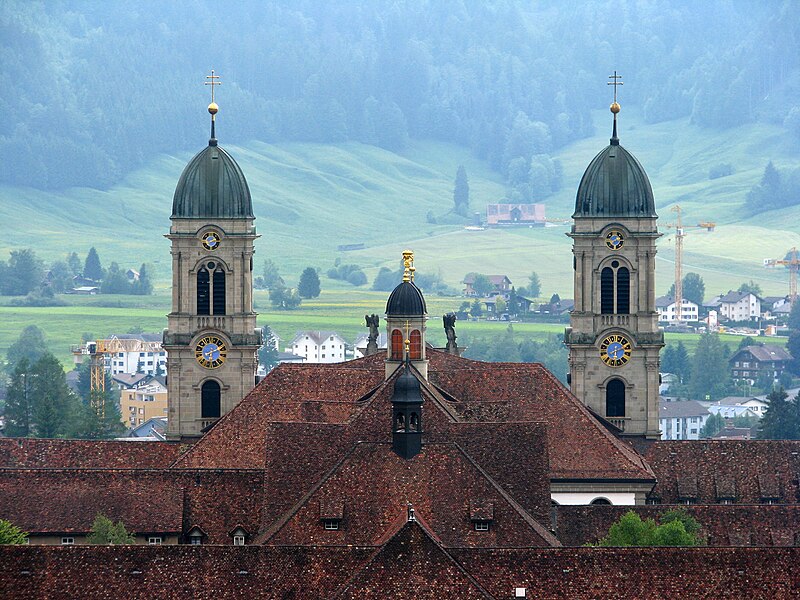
[10,534]
[461,192]
[676,528]
[104,531]
[309,287]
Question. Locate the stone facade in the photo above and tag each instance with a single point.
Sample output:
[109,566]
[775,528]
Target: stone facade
[237,327]
[589,375]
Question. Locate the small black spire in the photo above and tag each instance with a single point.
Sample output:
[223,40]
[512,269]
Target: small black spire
[213,140]
[614,138]
[615,108]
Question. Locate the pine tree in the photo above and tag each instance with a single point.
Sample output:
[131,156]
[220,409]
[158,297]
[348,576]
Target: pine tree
[53,402]
[461,192]
[143,287]
[268,353]
[92,268]
[534,285]
[30,345]
[309,287]
[781,421]
[710,375]
[74,263]
[19,402]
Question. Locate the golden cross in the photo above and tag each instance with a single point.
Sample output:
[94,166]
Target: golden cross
[615,82]
[213,81]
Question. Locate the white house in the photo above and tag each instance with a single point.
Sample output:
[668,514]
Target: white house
[739,306]
[681,420]
[126,353]
[757,405]
[360,345]
[318,346]
[665,306]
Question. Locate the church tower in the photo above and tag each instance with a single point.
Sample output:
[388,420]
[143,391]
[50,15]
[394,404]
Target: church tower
[211,339]
[614,340]
[406,316]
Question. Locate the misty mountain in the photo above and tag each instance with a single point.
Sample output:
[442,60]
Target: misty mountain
[92,90]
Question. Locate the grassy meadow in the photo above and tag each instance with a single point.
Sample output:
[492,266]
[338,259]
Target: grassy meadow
[311,198]
[337,309]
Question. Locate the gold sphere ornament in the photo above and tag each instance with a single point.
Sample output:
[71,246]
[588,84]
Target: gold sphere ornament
[213,108]
[615,108]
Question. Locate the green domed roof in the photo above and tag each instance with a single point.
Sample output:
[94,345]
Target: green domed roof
[212,186]
[615,185]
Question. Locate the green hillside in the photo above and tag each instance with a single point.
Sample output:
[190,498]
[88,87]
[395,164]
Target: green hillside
[311,198]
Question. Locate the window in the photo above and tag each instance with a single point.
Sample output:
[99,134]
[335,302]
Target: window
[615,283]
[598,501]
[156,540]
[397,345]
[481,525]
[238,540]
[195,540]
[219,291]
[416,345]
[331,524]
[67,541]
[203,292]
[210,400]
[615,398]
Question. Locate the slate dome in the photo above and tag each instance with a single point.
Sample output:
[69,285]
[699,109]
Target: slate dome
[406,300]
[615,185]
[212,186]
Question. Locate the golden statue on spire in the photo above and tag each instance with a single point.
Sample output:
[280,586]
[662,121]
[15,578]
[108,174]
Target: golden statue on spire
[408,265]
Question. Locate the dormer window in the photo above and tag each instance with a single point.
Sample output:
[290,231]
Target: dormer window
[481,513]
[196,536]
[239,536]
[331,512]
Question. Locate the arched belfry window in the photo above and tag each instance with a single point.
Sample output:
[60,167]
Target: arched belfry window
[397,344]
[615,398]
[211,289]
[219,291]
[203,292]
[210,400]
[615,289]
[415,346]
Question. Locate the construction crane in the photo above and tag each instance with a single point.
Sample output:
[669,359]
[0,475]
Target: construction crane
[99,353]
[792,262]
[680,233]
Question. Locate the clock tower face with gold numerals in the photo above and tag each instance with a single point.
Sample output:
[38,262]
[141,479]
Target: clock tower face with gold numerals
[211,352]
[615,350]
[614,239]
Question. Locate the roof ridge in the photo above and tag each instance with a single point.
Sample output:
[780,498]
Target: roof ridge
[533,523]
[281,521]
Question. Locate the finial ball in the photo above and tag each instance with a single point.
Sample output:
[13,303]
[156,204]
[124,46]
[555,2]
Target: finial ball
[213,108]
[615,108]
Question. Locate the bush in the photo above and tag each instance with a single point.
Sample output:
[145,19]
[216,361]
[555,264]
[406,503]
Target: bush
[357,277]
[349,273]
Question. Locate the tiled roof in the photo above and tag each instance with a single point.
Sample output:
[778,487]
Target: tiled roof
[372,485]
[318,337]
[742,465]
[55,501]
[29,453]
[721,525]
[411,565]
[767,352]
[733,297]
[681,409]
[579,447]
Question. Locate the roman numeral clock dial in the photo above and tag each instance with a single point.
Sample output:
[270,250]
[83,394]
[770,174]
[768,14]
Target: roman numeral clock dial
[615,350]
[211,352]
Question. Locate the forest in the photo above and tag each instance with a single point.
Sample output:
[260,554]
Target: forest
[92,90]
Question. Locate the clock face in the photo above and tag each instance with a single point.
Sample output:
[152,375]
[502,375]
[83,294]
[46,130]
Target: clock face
[614,239]
[615,350]
[211,352]
[211,240]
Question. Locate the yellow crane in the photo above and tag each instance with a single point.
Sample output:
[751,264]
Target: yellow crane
[792,262]
[99,353]
[680,233]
